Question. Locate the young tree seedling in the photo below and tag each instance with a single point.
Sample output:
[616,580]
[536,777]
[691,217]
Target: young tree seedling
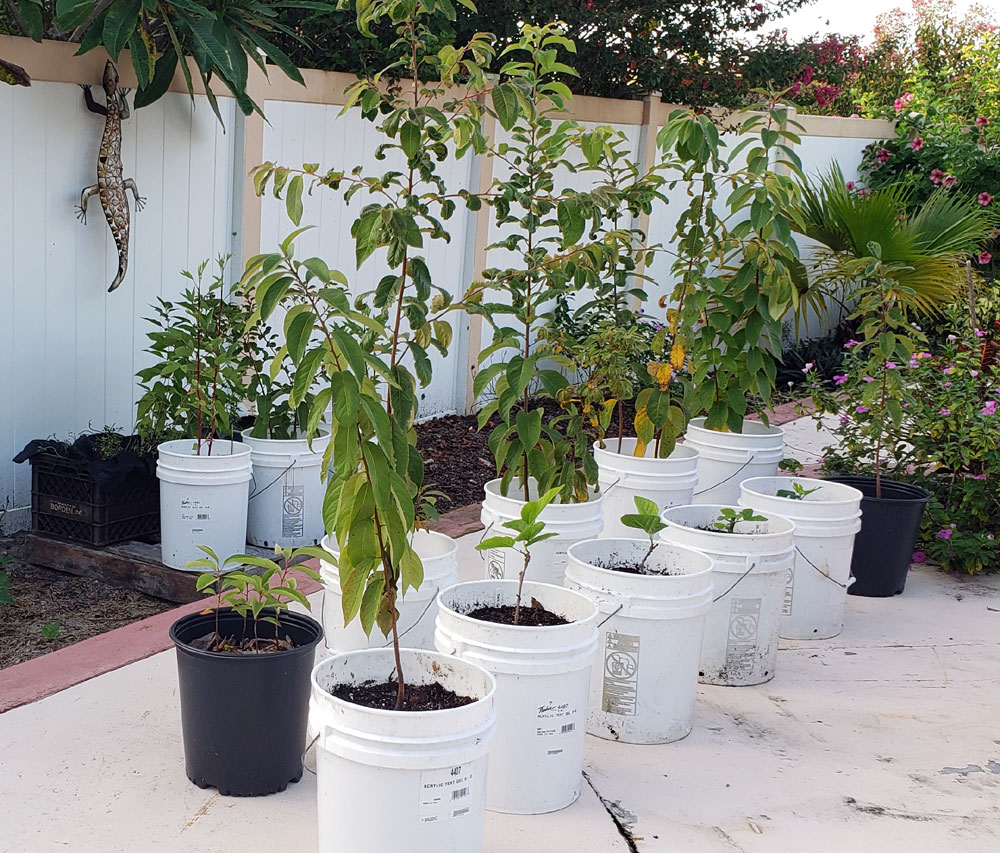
[728,518]
[646,519]
[797,492]
[250,594]
[529,531]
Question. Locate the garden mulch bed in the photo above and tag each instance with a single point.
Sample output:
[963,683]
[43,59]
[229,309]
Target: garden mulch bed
[82,607]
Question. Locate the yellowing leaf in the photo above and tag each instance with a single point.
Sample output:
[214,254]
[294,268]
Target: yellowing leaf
[677,356]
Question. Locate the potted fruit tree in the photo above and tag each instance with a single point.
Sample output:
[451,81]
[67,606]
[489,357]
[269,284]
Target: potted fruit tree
[393,723]
[735,270]
[190,403]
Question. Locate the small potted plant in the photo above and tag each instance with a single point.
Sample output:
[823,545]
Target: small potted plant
[243,673]
[539,642]
[735,271]
[286,493]
[653,598]
[827,517]
[190,403]
[753,554]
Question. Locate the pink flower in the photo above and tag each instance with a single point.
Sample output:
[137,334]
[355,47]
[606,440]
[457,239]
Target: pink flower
[908,97]
[978,476]
[917,144]
[944,411]
[918,557]
[984,198]
[923,355]
[980,333]
[973,373]
[952,337]
[949,181]
[898,104]
[862,194]
[948,370]
[985,258]
[796,87]
[840,379]
[990,408]
[844,419]
[862,409]
[936,176]
[854,115]
[883,155]
[850,186]
[890,365]
[945,533]
[852,343]
[982,121]
[947,384]
[809,366]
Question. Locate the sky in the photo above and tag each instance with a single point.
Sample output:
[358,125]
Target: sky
[848,17]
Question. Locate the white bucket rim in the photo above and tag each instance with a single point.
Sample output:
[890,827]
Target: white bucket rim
[492,493]
[284,446]
[769,517]
[173,449]
[852,496]
[548,630]
[756,430]
[573,552]
[681,452]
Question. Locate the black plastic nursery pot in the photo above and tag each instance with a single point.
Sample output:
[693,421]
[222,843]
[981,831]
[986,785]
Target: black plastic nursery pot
[244,717]
[884,546]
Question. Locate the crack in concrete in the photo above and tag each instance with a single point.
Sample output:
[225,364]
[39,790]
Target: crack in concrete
[623,819]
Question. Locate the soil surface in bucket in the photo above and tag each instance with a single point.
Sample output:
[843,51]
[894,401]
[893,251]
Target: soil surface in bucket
[532,615]
[418,697]
[615,564]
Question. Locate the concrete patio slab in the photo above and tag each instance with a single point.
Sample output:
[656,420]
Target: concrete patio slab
[883,738]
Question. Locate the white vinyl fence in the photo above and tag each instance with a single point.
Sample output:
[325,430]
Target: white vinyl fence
[69,350]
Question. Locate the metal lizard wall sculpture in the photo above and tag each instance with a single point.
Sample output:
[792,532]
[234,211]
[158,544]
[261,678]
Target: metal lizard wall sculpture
[110,186]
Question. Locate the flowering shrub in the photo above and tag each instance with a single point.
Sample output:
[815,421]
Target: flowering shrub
[947,440]
[948,122]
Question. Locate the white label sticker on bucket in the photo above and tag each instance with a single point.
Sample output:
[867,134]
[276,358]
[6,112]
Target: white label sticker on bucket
[292,511]
[556,720]
[195,513]
[621,674]
[446,793]
[741,647]
[561,555]
[496,564]
[786,607]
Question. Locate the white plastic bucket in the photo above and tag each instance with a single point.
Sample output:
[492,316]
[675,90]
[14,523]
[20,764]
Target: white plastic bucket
[427,767]
[417,613]
[643,683]
[571,522]
[543,677]
[622,476]
[750,569]
[826,522]
[286,495]
[728,458]
[203,500]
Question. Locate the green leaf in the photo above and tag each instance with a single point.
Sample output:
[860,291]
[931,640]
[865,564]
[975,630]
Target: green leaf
[293,199]
[119,25]
[163,74]
[409,139]
[571,221]
[142,51]
[646,506]
[496,542]
[505,104]
[71,13]
[529,427]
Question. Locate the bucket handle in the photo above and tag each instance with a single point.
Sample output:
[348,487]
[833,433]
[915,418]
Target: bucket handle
[850,580]
[322,616]
[736,582]
[750,458]
[255,493]
[612,613]
[305,754]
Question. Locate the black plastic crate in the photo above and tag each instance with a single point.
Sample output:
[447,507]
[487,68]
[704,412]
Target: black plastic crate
[68,503]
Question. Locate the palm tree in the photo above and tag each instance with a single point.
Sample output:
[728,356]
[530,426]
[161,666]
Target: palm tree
[925,250]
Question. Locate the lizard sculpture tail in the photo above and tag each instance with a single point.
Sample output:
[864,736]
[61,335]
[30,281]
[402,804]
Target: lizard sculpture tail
[111,186]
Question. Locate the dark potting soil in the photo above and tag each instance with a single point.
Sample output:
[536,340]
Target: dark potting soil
[532,616]
[457,457]
[247,646]
[417,697]
[634,568]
